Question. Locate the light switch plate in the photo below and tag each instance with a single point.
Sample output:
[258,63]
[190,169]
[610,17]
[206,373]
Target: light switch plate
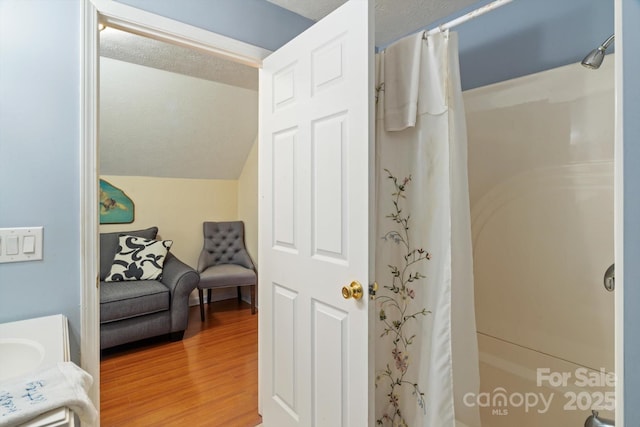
[12,244]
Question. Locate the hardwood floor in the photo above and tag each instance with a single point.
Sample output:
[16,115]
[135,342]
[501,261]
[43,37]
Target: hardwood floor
[210,378]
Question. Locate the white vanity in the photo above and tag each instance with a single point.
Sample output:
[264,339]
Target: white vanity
[32,345]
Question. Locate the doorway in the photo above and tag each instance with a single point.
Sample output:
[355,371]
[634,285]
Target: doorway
[178,134]
[132,20]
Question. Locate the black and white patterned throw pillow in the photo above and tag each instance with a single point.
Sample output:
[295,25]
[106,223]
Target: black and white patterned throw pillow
[138,258]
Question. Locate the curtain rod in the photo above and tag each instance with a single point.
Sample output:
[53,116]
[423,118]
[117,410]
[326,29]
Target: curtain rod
[467,17]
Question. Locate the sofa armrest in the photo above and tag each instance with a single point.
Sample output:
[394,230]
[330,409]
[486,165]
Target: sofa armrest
[181,281]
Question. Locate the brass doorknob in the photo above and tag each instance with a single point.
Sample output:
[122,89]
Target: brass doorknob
[354,290]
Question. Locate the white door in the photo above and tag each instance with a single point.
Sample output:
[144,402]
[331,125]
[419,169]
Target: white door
[315,152]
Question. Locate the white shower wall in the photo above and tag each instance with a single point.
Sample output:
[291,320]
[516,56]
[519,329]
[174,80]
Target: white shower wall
[541,192]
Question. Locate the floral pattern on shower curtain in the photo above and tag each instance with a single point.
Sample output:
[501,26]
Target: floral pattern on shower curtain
[426,353]
[397,311]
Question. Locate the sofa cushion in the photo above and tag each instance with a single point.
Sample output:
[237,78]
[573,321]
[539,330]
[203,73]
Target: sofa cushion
[109,246]
[138,258]
[123,300]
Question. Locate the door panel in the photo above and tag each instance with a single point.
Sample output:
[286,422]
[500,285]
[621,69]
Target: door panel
[284,194]
[328,140]
[284,360]
[315,165]
[330,328]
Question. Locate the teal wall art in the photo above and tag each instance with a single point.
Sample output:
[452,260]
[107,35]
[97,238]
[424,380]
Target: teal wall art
[115,206]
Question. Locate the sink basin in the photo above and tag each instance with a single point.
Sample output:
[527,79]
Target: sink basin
[33,345]
[19,356]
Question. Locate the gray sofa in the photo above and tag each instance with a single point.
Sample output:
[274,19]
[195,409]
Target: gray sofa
[134,310]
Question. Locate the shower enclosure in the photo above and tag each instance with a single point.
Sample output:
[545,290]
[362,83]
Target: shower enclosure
[541,193]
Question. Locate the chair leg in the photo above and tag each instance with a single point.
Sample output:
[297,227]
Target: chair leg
[209,296]
[239,289]
[201,305]
[253,299]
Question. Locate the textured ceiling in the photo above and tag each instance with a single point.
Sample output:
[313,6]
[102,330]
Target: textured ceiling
[393,18]
[127,137]
[163,124]
[161,103]
[139,50]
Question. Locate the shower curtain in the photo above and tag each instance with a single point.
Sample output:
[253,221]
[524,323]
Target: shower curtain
[426,354]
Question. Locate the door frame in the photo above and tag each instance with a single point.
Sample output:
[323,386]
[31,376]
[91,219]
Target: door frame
[618,220]
[137,21]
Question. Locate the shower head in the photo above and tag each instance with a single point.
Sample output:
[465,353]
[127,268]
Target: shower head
[594,59]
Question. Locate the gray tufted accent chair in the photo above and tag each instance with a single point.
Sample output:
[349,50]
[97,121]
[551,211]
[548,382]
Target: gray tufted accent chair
[224,261]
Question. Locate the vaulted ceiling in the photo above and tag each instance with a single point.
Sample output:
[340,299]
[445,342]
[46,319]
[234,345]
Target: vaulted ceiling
[162,144]
[168,111]
[524,37]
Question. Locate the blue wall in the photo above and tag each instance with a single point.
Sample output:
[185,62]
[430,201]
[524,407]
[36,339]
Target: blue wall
[528,36]
[256,22]
[630,39]
[39,154]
